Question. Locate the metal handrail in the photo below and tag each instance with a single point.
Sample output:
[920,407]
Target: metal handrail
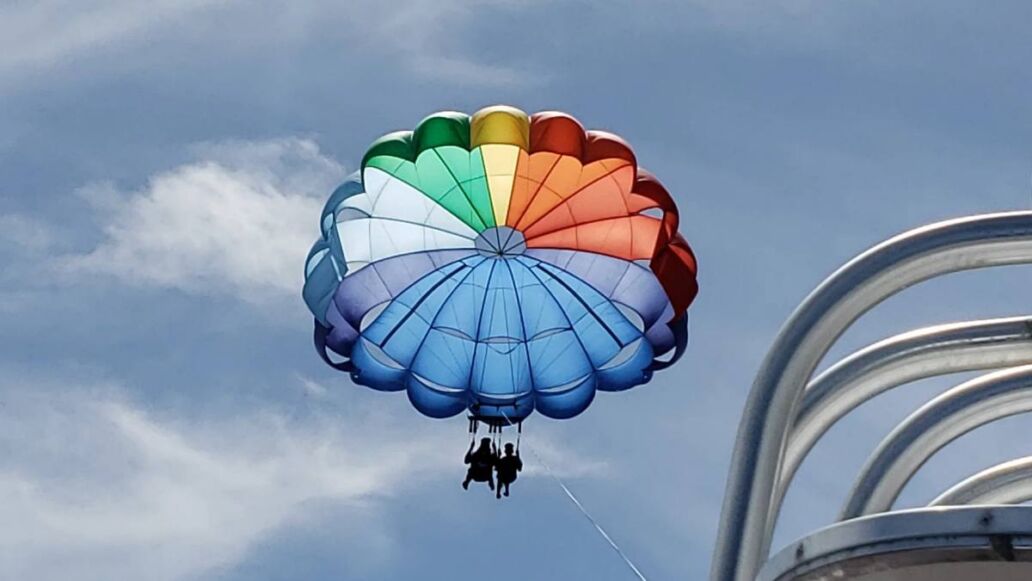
[887,364]
[945,418]
[1006,483]
[882,271]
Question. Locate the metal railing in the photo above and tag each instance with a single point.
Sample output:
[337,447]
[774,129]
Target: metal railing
[926,431]
[786,413]
[1006,483]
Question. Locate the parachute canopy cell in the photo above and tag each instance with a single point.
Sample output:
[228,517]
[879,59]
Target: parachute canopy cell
[500,263]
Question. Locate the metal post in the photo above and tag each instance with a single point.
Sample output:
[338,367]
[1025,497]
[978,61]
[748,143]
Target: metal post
[961,244]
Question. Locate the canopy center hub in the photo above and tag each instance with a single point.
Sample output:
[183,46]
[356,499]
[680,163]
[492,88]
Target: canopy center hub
[501,242]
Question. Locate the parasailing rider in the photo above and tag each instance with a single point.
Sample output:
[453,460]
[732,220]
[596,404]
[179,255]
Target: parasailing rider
[481,463]
[507,466]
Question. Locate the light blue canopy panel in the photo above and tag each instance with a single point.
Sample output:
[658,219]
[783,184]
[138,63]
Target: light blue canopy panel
[499,335]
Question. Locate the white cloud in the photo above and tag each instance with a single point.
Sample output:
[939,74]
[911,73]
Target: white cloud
[541,455]
[25,232]
[44,32]
[426,35]
[469,72]
[312,388]
[95,488]
[239,221]
[422,36]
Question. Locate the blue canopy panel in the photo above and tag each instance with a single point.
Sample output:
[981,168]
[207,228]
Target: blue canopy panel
[498,336]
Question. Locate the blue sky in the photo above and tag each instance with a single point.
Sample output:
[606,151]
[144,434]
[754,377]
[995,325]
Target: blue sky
[162,413]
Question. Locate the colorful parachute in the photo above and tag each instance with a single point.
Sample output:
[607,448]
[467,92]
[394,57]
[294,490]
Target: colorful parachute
[500,263]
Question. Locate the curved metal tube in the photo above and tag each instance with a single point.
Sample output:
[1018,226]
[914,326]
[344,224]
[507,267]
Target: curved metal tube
[1006,483]
[947,417]
[907,357]
[882,271]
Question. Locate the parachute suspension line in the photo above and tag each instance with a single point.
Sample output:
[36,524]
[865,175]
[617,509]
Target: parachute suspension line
[569,494]
[492,430]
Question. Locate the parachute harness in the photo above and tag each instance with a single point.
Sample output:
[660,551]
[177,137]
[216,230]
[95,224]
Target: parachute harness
[569,494]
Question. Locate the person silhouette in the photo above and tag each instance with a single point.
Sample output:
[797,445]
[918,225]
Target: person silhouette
[507,466]
[481,464]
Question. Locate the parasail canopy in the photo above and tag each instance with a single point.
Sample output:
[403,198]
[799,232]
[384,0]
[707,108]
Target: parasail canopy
[500,263]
